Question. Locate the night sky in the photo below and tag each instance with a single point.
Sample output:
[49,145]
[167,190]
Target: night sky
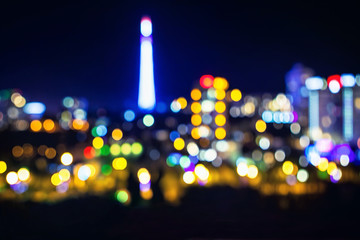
[91,48]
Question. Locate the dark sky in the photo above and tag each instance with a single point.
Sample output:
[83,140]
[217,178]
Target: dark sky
[51,49]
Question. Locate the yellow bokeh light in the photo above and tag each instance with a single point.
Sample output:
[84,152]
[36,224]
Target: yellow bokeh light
[79,124]
[331,167]
[196,107]
[249,108]
[220,107]
[14,95]
[41,149]
[269,158]
[182,101]
[288,167]
[196,119]
[252,171]
[220,94]
[23,174]
[236,95]
[19,101]
[35,125]
[260,126]
[66,158]
[50,153]
[28,150]
[195,94]
[143,175]
[85,126]
[64,175]
[323,165]
[12,178]
[220,133]
[115,149]
[92,169]
[221,83]
[141,170]
[3,167]
[147,195]
[189,177]
[357,103]
[119,163]
[220,120]
[126,148]
[49,125]
[179,144]
[117,134]
[98,142]
[202,172]
[17,151]
[55,179]
[136,148]
[195,133]
[242,169]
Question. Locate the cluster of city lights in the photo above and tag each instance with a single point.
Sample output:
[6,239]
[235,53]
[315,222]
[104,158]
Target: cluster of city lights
[216,136]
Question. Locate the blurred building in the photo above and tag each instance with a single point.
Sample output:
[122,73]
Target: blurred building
[329,107]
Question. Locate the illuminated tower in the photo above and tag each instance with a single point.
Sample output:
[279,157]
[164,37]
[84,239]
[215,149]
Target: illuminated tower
[314,84]
[348,81]
[146,99]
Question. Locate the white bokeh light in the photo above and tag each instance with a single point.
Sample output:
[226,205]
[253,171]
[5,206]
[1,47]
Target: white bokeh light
[146,27]
[334,86]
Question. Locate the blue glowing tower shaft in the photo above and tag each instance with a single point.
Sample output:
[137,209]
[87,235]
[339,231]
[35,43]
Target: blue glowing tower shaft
[146,100]
[313,113]
[348,113]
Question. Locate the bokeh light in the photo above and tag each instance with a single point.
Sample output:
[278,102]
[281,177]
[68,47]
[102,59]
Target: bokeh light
[179,144]
[220,133]
[260,126]
[35,125]
[206,81]
[252,171]
[143,175]
[119,163]
[202,172]
[129,115]
[195,94]
[23,174]
[3,167]
[98,142]
[148,120]
[288,167]
[117,134]
[123,196]
[49,125]
[189,177]
[66,158]
[12,178]
[236,95]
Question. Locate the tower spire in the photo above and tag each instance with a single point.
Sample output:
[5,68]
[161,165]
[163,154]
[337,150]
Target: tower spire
[146,99]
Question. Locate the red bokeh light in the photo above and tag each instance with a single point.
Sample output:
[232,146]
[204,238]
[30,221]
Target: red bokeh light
[334,78]
[89,152]
[206,81]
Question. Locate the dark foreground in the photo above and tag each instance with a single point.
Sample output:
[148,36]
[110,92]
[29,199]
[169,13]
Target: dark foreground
[214,213]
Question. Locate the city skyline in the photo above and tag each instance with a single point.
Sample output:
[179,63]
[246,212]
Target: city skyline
[124,119]
[72,51]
